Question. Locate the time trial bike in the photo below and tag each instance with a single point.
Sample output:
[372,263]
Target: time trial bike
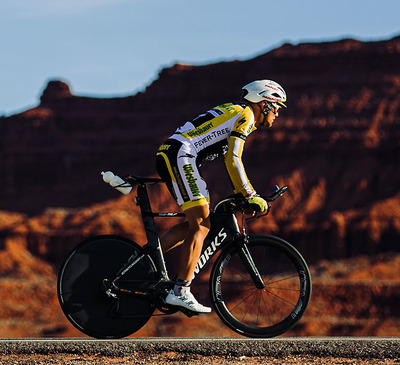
[260,285]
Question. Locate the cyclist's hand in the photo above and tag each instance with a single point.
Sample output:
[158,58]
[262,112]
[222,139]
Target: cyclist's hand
[257,203]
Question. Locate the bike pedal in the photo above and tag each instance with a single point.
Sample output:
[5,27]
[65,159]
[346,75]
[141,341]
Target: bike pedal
[188,312]
[166,309]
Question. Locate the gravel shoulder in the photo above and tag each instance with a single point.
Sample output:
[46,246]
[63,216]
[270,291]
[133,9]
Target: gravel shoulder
[201,351]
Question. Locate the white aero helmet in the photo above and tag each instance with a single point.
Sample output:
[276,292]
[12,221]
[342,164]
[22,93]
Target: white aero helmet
[267,90]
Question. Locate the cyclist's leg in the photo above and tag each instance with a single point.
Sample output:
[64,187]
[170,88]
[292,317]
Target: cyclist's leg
[174,236]
[198,227]
[191,234]
[176,164]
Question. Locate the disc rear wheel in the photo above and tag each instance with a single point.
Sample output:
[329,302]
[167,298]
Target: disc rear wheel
[83,280]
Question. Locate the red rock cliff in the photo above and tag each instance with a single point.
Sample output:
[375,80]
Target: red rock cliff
[337,145]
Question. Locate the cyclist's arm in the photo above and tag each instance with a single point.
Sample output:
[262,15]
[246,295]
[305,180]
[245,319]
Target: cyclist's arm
[235,167]
[243,126]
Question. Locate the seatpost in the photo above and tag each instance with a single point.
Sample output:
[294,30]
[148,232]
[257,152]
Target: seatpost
[153,246]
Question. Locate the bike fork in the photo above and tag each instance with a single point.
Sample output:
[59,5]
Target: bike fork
[249,262]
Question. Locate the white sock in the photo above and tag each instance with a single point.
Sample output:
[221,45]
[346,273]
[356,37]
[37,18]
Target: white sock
[181,287]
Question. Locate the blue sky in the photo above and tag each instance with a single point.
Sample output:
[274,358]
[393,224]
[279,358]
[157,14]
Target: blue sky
[117,47]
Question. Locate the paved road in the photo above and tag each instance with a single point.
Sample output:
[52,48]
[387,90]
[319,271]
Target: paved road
[350,347]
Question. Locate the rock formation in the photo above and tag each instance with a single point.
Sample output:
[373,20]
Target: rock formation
[337,147]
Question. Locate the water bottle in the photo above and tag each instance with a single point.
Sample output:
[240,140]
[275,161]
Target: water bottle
[116,182]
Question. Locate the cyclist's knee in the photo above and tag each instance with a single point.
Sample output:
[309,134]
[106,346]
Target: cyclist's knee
[198,220]
[202,231]
[198,214]
[199,228]
[207,223]
[196,236]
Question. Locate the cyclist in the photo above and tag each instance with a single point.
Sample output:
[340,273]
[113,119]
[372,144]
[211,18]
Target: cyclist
[221,130]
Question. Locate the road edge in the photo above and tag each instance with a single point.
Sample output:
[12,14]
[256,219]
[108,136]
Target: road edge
[365,348]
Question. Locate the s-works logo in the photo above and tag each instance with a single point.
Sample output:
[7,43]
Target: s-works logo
[210,250]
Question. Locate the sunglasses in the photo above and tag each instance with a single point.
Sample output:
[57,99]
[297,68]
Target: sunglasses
[275,109]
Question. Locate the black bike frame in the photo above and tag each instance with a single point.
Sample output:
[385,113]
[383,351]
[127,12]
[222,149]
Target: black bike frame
[224,229]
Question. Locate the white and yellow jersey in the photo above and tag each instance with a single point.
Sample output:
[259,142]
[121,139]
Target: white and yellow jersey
[221,130]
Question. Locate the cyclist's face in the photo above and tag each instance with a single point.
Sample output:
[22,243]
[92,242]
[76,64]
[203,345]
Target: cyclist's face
[270,118]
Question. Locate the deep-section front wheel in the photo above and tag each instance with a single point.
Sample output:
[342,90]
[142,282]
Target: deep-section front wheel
[83,280]
[261,312]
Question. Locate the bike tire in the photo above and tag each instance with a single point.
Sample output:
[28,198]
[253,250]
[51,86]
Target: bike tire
[267,312]
[81,290]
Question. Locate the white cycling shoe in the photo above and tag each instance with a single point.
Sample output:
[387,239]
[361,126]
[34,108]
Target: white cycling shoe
[186,300]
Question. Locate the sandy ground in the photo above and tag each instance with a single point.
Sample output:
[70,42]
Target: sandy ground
[183,359]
